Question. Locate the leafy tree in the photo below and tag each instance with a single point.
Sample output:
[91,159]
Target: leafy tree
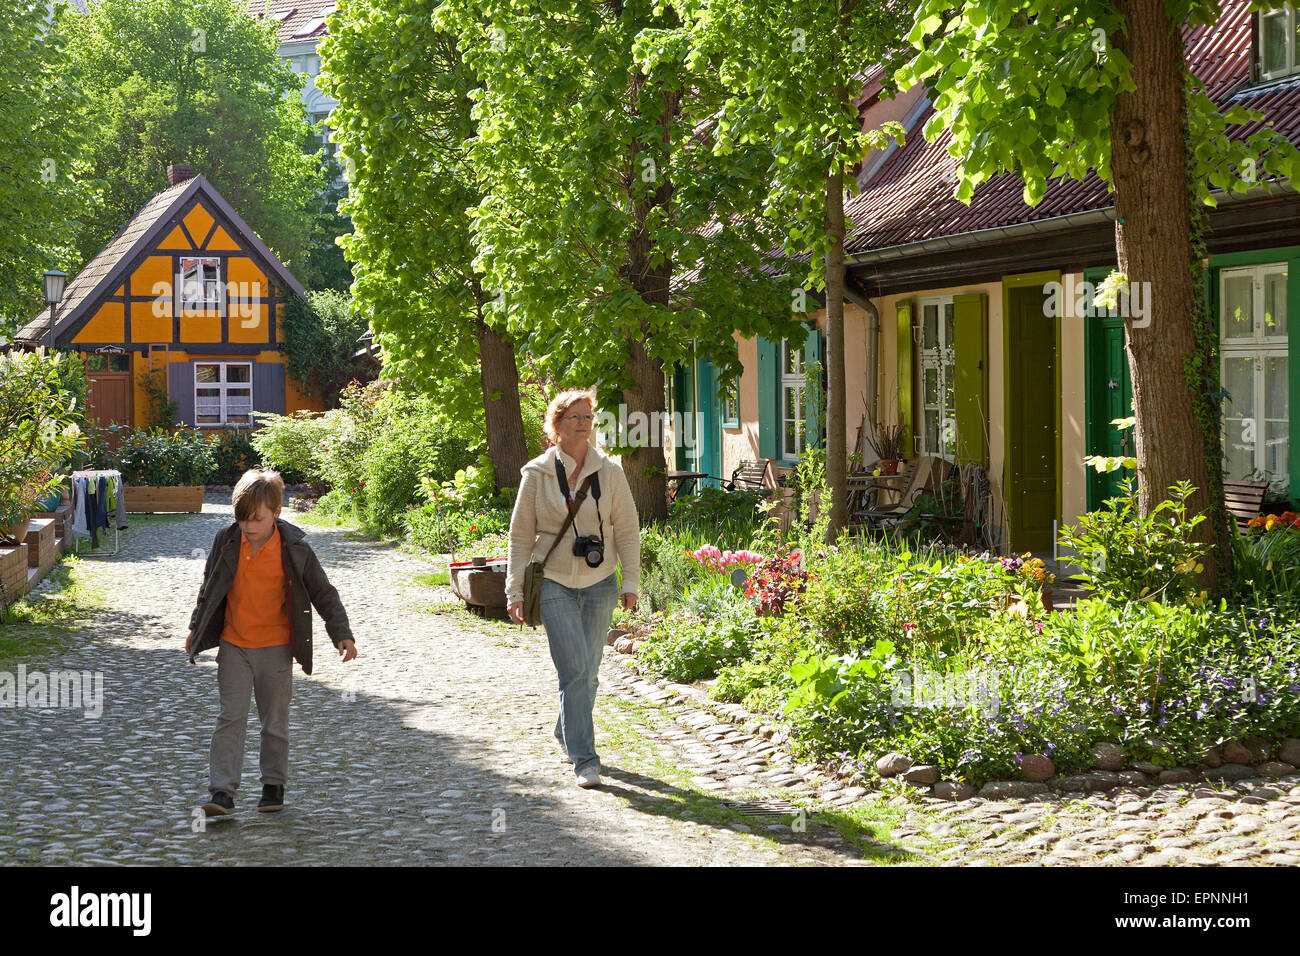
[403,122]
[197,82]
[794,68]
[610,235]
[320,344]
[40,188]
[1046,91]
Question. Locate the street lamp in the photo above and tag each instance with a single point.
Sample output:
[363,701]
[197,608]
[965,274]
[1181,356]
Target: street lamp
[55,281]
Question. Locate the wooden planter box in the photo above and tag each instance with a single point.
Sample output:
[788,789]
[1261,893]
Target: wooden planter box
[483,587]
[13,572]
[148,499]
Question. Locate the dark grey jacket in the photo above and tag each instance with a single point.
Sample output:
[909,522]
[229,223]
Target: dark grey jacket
[305,585]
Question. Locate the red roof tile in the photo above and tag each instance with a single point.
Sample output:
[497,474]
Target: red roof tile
[298,20]
[910,199]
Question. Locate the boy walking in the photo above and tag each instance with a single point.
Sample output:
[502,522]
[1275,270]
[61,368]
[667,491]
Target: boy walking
[259,585]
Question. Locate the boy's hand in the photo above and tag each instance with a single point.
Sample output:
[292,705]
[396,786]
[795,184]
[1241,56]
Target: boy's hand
[347,648]
[188,641]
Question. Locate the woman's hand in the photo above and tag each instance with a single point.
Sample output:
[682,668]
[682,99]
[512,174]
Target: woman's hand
[629,601]
[516,612]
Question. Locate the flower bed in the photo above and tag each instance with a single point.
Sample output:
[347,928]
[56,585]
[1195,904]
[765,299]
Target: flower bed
[947,668]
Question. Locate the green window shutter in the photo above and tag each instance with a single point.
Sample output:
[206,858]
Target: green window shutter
[812,352]
[906,418]
[769,394]
[970,373]
[1292,371]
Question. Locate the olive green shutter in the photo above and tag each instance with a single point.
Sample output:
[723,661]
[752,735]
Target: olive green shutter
[769,395]
[815,402]
[905,416]
[970,329]
[1293,369]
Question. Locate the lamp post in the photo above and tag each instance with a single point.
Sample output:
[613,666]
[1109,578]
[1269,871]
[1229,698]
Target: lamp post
[55,282]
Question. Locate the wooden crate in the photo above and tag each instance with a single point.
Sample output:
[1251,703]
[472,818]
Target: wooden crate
[40,544]
[149,499]
[13,572]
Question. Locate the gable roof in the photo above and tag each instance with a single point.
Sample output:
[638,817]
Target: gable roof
[296,20]
[910,198]
[111,265]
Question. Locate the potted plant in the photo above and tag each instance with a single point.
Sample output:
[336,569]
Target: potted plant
[164,471]
[887,442]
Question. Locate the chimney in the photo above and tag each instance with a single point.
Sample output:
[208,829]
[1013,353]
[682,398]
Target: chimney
[179,174]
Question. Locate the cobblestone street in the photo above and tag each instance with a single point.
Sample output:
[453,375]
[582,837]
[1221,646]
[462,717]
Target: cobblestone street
[435,746]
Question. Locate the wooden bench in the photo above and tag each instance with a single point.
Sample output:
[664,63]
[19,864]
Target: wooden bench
[750,474]
[1244,499]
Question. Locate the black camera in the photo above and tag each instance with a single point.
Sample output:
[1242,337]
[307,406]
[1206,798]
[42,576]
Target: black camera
[591,548]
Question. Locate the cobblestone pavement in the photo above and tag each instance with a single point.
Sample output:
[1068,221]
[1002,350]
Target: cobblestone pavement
[434,746]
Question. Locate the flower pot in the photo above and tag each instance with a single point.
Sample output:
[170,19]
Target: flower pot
[52,501]
[889,466]
[16,533]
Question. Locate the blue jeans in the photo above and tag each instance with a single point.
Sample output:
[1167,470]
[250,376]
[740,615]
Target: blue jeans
[577,621]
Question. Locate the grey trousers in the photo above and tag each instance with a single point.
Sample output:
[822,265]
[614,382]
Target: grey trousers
[243,672]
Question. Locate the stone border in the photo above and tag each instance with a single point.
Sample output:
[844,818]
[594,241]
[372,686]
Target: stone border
[1234,761]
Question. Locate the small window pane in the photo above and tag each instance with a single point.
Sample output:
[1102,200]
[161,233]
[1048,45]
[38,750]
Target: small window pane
[119,363]
[932,386]
[1238,311]
[207,373]
[1275,305]
[947,324]
[930,325]
[1239,382]
[1275,58]
[238,373]
[1275,388]
[932,431]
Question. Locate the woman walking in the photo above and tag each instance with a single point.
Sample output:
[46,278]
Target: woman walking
[580,589]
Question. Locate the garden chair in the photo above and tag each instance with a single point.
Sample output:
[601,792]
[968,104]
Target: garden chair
[1244,500]
[749,474]
[926,474]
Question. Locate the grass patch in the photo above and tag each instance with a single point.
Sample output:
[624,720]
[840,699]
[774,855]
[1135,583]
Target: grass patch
[40,623]
[434,579]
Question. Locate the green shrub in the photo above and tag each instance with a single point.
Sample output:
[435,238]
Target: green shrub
[1267,555]
[292,443]
[1128,556]
[153,456]
[666,568]
[232,454]
[688,648]
[425,528]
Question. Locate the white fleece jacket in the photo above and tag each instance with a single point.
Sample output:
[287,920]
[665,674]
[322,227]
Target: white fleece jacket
[540,511]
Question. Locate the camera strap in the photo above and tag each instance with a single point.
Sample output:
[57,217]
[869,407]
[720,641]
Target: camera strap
[593,480]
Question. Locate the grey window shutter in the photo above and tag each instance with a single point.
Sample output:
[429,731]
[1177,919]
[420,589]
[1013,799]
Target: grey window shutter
[180,389]
[268,387]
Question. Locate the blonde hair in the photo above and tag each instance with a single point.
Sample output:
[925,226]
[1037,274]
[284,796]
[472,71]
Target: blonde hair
[560,404]
[258,486]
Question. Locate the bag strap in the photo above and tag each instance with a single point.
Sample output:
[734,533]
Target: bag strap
[568,519]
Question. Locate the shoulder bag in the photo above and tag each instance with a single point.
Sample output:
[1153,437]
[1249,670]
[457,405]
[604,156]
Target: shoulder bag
[533,574]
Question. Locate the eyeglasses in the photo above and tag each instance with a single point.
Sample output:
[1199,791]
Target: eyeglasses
[580,418]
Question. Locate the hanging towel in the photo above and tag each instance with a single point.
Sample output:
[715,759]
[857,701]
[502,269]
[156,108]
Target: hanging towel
[79,526]
[91,487]
[120,493]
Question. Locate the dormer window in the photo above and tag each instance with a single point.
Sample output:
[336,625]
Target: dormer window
[1278,42]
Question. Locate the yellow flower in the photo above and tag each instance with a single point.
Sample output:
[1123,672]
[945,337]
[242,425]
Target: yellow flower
[1269,522]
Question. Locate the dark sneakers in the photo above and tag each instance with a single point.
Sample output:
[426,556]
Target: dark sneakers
[220,805]
[272,798]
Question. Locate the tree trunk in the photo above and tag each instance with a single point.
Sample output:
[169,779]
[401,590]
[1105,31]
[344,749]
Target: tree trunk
[499,375]
[1153,240]
[645,466]
[836,425]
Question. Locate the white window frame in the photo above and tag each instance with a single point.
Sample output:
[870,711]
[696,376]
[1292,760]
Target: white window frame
[223,386]
[1287,13]
[797,382]
[213,292]
[1259,346]
[941,358]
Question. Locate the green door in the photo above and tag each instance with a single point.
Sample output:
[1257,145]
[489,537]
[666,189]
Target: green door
[710,436]
[683,395]
[1108,395]
[1032,392]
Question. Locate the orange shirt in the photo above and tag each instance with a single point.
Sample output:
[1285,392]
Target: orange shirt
[256,612]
